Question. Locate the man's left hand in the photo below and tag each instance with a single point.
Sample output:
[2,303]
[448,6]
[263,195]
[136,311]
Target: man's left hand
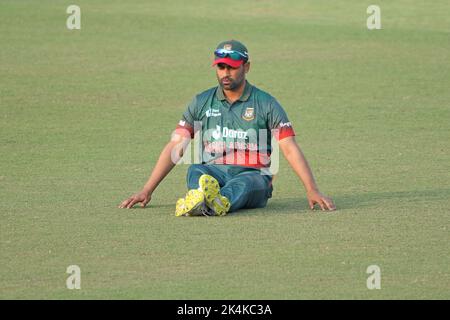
[315,197]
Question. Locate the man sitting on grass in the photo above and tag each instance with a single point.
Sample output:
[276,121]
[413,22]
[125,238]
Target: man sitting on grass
[237,122]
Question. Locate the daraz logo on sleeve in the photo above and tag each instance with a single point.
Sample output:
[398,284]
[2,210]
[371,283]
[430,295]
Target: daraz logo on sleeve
[228,133]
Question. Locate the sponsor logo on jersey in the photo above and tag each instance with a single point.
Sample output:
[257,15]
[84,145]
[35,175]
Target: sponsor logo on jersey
[249,114]
[213,113]
[228,133]
[285,124]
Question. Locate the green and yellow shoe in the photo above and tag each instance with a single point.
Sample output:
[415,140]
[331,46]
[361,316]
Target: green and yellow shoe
[180,208]
[220,205]
[192,205]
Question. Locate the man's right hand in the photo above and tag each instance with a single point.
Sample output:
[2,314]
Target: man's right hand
[142,197]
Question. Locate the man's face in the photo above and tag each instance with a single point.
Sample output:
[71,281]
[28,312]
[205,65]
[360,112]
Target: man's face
[231,78]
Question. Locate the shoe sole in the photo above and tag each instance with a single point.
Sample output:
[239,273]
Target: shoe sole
[180,208]
[211,188]
[194,203]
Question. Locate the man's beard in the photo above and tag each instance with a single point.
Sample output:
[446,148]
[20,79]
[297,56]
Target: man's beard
[231,85]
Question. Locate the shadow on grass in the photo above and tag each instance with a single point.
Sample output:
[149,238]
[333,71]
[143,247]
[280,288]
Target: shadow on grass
[353,201]
[373,199]
[153,206]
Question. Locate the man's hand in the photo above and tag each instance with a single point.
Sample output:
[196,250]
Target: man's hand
[315,197]
[142,197]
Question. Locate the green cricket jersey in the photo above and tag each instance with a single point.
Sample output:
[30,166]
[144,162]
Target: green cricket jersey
[239,133]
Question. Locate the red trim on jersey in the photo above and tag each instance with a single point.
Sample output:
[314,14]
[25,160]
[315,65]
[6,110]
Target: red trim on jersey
[185,130]
[248,158]
[283,132]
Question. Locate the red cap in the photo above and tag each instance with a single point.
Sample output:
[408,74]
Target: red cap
[232,63]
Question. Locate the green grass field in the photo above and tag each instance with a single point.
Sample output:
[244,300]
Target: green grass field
[85,113]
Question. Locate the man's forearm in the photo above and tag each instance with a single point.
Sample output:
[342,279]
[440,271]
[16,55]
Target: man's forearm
[163,166]
[301,167]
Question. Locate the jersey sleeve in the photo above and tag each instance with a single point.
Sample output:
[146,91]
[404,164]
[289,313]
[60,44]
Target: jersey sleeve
[278,122]
[185,126]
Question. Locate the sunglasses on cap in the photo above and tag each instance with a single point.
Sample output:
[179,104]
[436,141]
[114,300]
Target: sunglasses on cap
[235,55]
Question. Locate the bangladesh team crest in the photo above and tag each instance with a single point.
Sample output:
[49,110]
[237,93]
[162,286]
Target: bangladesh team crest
[227,46]
[249,114]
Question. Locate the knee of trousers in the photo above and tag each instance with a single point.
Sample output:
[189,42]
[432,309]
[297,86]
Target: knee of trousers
[196,168]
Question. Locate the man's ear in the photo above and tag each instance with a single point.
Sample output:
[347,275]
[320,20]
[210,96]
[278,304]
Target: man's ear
[247,66]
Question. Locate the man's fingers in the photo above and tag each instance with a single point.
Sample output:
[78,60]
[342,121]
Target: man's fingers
[322,205]
[132,203]
[329,203]
[125,203]
[325,203]
[144,203]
